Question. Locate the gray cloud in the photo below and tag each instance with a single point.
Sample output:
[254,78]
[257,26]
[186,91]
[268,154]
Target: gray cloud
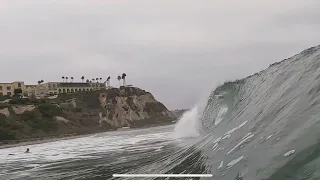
[177,49]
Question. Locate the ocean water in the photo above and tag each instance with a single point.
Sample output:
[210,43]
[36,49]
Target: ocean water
[264,127]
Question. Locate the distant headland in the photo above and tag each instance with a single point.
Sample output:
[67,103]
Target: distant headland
[60,109]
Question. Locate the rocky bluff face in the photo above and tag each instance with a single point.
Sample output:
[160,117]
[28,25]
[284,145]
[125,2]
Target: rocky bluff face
[115,108]
[83,112]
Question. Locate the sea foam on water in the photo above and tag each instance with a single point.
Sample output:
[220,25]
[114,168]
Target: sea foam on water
[188,125]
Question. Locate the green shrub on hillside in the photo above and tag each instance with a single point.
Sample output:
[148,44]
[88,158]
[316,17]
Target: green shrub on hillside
[3,105]
[50,110]
[37,122]
[44,124]
[6,134]
[18,100]
[2,98]
[17,91]
[8,128]
[28,115]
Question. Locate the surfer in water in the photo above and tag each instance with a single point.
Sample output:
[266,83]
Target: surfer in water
[27,151]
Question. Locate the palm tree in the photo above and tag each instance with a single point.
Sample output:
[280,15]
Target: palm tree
[71,79]
[97,80]
[41,81]
[108,81]
[63,78]
[119,79]
[100,80]
[87,81]
[124,79]
[66,79]
[92,79]
[82,78]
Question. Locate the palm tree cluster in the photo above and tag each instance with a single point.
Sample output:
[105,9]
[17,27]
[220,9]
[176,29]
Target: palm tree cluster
[123,77]
[40,82]
[97,80]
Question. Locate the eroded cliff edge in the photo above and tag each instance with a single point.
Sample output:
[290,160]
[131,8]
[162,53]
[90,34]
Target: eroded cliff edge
[81,113]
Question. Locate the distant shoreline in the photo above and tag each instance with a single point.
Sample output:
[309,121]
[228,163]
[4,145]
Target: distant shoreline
[28,142]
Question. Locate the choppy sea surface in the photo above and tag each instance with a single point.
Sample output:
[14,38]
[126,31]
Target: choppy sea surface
[264,127]
[94,157]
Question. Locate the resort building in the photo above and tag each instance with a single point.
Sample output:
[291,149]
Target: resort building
[8,88]
[69,87]
[49,88]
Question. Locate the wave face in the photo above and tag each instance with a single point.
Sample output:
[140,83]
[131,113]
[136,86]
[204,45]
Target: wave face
[250,124]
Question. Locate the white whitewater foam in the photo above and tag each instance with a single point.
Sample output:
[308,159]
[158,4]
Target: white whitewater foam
[221,165]
[69,149]
[215,146]
[222,112]
[217,140]
[240,143]
[226,136]
[247,135]
[233,162]
[289,153]
[188,125]
[269,137]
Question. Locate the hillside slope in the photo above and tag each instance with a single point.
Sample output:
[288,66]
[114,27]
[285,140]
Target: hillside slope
[81,113]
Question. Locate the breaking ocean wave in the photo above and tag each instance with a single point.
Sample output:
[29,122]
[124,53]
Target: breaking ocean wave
[265,126]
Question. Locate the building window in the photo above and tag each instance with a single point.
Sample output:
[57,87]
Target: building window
[1,94]
[72,90]
[68,90]
[0,88]
[9,93]
[64,90]
[59,90]
[76,90]
[55,93]
[19,85]
[8,88]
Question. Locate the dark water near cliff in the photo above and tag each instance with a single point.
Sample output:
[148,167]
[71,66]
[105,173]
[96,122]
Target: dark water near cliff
[244,130]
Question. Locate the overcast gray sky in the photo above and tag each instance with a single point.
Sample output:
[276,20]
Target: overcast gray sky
[176,49]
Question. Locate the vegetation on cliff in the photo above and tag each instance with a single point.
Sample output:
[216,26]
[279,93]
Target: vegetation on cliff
[36,122]
[80,113]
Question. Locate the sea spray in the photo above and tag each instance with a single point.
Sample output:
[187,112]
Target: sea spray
[188,125]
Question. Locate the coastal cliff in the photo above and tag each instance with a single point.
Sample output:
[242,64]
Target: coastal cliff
[81,113]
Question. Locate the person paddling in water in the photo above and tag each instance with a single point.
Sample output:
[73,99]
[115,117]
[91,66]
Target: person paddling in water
[27,151]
